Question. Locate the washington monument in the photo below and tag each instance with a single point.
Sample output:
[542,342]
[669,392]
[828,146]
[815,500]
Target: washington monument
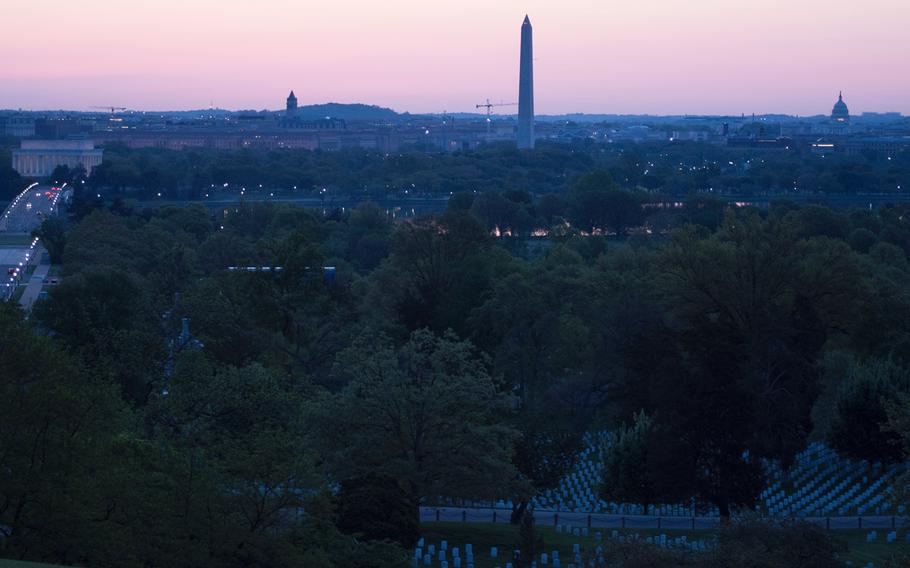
[526,89]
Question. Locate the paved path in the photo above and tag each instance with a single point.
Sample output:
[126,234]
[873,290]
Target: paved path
[36,282]
[613,521]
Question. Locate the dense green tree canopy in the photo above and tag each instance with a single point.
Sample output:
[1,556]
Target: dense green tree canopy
[237,386]
[428,415]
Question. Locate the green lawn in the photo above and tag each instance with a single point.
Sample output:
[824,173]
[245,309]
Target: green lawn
[13,239]
[21,564]
[504,536]
[862,552]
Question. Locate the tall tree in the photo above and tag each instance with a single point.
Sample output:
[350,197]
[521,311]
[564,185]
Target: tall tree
[859,429]
[626,475]
[437,272]
[529,325]
[104,316]
[59,424]
[242,466]
[428,415]
[53,237]
[595,202]
[899,424]
[751,307]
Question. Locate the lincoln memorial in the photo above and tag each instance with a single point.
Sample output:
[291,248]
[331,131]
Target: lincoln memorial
[38,158]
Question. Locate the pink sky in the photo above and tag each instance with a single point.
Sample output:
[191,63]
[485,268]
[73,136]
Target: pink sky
[595,56]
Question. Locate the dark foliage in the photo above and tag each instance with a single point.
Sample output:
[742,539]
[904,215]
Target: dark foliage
[377,508]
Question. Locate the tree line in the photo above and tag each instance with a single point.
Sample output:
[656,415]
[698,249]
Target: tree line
[657,168]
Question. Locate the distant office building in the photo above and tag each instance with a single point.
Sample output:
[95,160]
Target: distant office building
[860,144]
[882,145]
[692,135]
[779,143]
[38,158]
[292,104]
[881,116]
[526,88]
[840,113]
[62,128]
[326,123]
[17,126]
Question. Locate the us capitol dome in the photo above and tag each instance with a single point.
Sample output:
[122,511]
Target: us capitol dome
[840,113]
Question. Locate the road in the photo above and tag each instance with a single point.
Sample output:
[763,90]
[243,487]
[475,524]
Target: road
[25,213]
[614,521]
[405,207]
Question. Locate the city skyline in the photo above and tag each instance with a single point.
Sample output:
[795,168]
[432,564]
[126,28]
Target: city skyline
[713,58]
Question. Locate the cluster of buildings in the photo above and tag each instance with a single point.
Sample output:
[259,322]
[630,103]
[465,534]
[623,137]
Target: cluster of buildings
[838,131]
[77,139]
[71,138]
[886,133]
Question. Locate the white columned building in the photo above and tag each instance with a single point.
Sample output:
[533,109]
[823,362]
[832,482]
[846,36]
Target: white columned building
[38,158]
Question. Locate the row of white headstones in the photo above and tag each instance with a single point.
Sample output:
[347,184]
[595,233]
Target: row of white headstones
[426,554]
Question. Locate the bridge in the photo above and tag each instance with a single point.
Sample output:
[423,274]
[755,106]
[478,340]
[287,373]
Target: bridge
[19,251]
[27,210]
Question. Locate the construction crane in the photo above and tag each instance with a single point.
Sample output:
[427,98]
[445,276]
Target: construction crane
[113,110]
[490,106]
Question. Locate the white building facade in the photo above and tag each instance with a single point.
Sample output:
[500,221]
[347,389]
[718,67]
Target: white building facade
[38,158]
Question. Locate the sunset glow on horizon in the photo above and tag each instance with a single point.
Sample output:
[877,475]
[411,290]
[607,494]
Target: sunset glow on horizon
[623,57]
